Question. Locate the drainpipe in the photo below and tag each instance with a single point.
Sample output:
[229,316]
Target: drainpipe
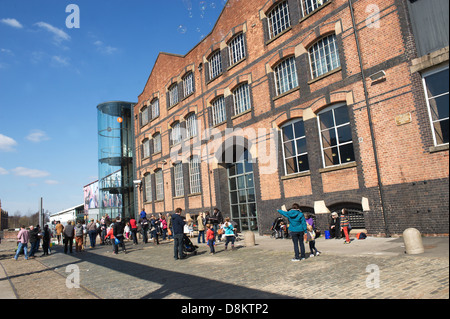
[369,115]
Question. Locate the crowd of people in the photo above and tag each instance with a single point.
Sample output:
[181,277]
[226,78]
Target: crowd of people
[211,228]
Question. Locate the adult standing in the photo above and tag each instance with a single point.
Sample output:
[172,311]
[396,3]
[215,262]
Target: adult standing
[155,229]
[229,233]
[68,234]
[169,226]
[34,240]
[133,226]
[143,214]
[297,228]
[144,228]
[178,232]
[79,237]
[59,229]
[201,227]
[46,236]
[217,219]
[23,238]
[118,229]
[163,225]
[92,231]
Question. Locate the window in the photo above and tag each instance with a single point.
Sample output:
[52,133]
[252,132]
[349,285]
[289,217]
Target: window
[176,133]
[324,56]
[155,108]
[436,92]
[278,19]
[241,97]
[145,148]
[148,187]
[218,111]
[159,185]
[144,116]
[295,153]
[194,175]
[178,176]
[173,95]
[336,136]
[236,49]
[188,84]
[309,6]
[215,65]
[191,125]
[286,76]
[157,143]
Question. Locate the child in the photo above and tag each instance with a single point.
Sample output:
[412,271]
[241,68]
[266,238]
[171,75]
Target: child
[191,228]
[210,238]
[283,230]
[310,237]
[127,231]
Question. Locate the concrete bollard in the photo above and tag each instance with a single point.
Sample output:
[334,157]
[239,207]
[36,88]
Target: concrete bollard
[413,241]
[249,238]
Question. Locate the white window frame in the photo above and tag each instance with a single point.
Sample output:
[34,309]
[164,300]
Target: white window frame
[219,114]
[236,49]
[148,188]
[215,65]
[178,179]
[176,133]
[188,84]
[278,19]
[195,186]
[320,61]
[173,95]
[191,125]
[155,108]
[309,6]
[157,145]
[296,152]
[428,98]
[335,128]
[241,99]
[286,77]
[144,116]
[159,185]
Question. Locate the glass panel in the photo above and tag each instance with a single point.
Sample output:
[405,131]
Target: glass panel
[347,154]
[289,149]
[326,120]
[232,170]
[242,196]
[244,224]
[441,130]
[345,134]
[233,185]
[251,210]
[249,179]
[341,115]
[439,107]
[288,133]
[329,138]
[234,197]
[251,195]
[243,210]
[238,222]
[331,156]
[253,224]
[299,128]
[239,168]
[234,212]
[301,146]
[241,182]
[303,163]
[437,83]
[291,166]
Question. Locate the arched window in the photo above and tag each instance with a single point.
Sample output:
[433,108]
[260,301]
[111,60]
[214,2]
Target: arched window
[278,19]
[191,125]
[219,114]
[285,76]
[241,97]
[157,143]
[236,49]
[194,175]
[324,56]
[159,184]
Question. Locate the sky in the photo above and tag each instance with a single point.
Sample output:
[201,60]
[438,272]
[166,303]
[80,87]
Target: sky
[54,72]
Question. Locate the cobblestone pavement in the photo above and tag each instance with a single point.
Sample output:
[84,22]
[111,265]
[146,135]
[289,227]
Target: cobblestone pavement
[373,269]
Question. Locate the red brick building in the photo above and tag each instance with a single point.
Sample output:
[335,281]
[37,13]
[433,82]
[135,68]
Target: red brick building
[320,103]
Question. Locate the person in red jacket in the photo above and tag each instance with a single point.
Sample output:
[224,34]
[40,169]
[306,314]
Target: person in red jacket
[210,238]
[133,227]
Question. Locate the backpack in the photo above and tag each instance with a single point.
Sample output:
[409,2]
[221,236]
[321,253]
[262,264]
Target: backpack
[361,235]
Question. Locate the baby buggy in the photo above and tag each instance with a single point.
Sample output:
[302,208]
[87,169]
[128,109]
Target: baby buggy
[188,246]
[279,228]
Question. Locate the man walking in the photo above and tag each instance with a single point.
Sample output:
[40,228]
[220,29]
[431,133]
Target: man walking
[68,233]
[178,232]
[23,238]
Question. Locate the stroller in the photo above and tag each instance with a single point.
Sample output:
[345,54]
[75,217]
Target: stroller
[279,228]
[188,246]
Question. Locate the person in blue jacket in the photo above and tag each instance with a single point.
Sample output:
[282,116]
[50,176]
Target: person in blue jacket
[297,228]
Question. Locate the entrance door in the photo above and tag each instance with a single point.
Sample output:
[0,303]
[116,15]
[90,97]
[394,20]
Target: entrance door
[241,184]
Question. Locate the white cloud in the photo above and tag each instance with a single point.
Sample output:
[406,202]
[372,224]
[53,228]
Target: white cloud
[105,49]
[51,182]
[3,171]
[12,23]
[28,172]
[37,136]
[59,35]
[60,61]
[7,52]
[6,143]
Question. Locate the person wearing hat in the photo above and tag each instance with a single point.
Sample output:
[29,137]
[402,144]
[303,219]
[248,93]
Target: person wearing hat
[335,226]
[297,228]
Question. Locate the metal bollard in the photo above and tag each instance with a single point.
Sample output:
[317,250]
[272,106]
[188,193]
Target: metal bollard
[413,241]
[249,238]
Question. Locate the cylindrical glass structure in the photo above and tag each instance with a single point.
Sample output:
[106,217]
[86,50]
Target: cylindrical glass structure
[115,153]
